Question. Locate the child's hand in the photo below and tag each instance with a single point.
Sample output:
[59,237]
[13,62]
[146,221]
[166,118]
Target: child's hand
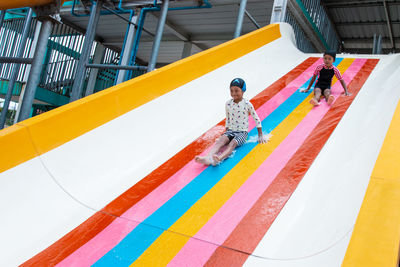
[347,94]
[304,90]
[262,139]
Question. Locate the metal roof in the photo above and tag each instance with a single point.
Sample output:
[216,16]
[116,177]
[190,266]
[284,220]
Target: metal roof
[204,27]
[358,21]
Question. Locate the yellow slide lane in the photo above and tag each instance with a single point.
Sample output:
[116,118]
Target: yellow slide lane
[376,236]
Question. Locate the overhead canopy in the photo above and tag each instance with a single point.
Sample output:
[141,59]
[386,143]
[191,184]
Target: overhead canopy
[10,4]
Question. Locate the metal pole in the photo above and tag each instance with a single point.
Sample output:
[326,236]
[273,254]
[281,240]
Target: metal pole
[2,16]
[126,54]
[16,67]
[118,67]
[18,60]
[187,49]
[379,45]
[239,22]
[252,19]
[87,45]
[389,25]
[98,56]
[36,69]
[157,38]
[374,44]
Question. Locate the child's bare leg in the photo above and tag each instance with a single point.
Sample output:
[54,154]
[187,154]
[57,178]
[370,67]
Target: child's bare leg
[207,160]
[229,149]
[221,141]
[328,97]
[317,95]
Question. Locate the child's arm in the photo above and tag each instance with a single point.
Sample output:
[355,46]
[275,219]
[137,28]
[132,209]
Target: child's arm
[340,78]
[226,117]
[253,113]
[261,138]
[310,84]
[346,91]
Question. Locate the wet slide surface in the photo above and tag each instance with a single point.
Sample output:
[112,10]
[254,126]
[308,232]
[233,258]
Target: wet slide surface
[105,190]
[186,214]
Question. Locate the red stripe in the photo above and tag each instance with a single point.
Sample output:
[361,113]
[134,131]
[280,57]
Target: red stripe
[96,223]
[257,221]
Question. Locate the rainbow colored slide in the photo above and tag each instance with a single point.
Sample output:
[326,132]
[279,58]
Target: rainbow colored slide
[110,180]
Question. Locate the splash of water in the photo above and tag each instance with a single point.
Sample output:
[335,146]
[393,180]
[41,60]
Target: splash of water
[254,138]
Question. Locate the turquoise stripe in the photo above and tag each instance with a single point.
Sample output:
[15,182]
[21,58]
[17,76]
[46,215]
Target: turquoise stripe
[137,241]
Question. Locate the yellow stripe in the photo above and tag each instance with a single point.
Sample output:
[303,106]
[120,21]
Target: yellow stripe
[376,235]
[63,124]
[164,249]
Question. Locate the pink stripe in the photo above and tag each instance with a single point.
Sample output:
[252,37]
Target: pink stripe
[218,228]
[118,229]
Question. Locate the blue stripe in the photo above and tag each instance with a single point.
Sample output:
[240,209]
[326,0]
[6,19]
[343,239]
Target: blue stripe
[137,241]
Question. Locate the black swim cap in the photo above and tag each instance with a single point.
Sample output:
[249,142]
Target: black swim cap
[239,83]
[331,53]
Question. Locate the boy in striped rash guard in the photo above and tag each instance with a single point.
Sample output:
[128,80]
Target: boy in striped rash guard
[237,110]
[325,73]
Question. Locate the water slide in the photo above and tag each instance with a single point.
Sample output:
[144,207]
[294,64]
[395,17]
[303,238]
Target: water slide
[110,180]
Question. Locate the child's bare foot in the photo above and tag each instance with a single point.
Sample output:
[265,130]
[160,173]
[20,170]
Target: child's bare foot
[314,102]
[331,98]
[202,160]
[216,160]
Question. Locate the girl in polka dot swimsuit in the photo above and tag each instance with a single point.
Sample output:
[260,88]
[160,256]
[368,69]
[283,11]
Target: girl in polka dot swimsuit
[238,110]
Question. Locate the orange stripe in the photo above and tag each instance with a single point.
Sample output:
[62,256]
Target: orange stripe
[56,127]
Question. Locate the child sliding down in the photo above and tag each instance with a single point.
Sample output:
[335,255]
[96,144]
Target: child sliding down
[237,125]
[325,73]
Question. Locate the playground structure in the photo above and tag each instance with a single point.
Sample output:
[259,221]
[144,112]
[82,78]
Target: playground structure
[92,182]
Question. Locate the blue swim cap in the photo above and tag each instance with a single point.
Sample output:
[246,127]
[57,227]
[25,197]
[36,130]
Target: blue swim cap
[239,83]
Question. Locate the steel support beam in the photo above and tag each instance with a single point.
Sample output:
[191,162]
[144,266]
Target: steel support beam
[119,67]
[252,19]
[126,53]
[80,76]
[379,45]
[157,38]
[36,69]
[187,49]
[98,55]
[374,44]
[239,22]
[18,60]
[389,24]
[16,67]
[278,11]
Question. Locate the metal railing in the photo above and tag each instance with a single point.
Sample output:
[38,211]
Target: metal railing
[323,23]
[63,51]
[302,41]
[10,39]
[106,77]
